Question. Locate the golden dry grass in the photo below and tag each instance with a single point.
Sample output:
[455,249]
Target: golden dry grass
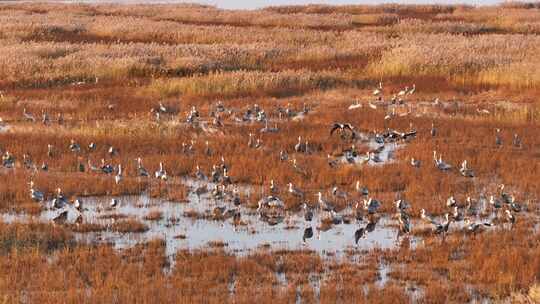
[105,66]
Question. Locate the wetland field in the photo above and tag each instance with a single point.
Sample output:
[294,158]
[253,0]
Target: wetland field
[182,153]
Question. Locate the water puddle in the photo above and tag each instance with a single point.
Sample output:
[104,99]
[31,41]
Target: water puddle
[190,225]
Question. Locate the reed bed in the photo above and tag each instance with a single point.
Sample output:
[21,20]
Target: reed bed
[104,67]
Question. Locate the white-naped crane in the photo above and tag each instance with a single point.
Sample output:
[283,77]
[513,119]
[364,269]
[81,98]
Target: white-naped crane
[510,216]
[283,156]
[295,191]
[415,162]
[114,203]
[498,138]
[451,202]
[362,190]
[404,223]
[514,206]
[270,202]
[433,130]
[465,170]
[36,195]
[403,92]
[106,168]
[78,204]
[118,177]
[308,213]
[516,141]
[371,205]
[471,207]
[28,116]
[112,151]
[324,204]
[308,233]
[473,227]
[378,90]
[141,171]
[50,150]
[358,212]
[161,173]
[457,215]
[358,234]
[74,147]
[300,146]
[412,90]
[59,201]
[355,105]
[199,174]
[339,194]
[273,188]
[332,162]
[439,163]
[504,196]
[402,205]
[495,203]
[438,227]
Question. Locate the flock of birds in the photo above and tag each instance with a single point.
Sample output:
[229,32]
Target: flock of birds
[271,208]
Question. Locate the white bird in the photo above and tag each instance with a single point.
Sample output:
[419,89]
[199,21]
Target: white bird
[355,105]
[482,111]
[114,203]
[451,202]
[161,173]
[118,177]
[403,92]
[412,90]
[77,203]
[378,90]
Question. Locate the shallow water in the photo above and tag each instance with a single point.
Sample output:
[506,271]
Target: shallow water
[185,232]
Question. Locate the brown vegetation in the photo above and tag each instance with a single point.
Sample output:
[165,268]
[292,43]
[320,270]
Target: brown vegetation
[104,67]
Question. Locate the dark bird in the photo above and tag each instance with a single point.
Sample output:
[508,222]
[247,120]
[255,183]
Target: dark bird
[358,234]
[404,223]
[308,233]
[61,218]
[308,214]
[342,128]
